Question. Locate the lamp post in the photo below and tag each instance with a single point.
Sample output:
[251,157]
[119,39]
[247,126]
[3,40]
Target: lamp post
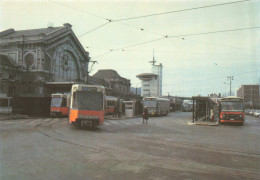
[230,79]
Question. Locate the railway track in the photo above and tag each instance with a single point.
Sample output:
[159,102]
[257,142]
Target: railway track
[113,151]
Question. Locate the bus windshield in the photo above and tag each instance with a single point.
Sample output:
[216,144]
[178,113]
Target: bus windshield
[150,103]
[232,106]
[86,100]
[58,102]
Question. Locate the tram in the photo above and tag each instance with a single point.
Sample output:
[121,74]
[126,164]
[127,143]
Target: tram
[87,105]
[111,103]
[232,110]
[157,106]
[59,105]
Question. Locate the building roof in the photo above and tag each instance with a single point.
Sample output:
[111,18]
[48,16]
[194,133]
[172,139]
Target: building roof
[144,75]
[30,32]
[45,35]
[106,73]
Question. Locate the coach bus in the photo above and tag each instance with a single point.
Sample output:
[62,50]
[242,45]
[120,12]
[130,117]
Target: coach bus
[111,103]
[60,104]
[232,110]
[157,106]
[87,105]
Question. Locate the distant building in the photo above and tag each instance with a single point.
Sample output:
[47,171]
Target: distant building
[37,62]
[214,95]
[149,84]
[250,94]
[157,69]
[136,91]
[118,84]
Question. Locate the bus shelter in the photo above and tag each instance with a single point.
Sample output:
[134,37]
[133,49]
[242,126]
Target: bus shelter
[203,109]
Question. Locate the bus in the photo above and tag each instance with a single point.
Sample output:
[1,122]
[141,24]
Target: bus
[157,106]
[60,104]
[87,105]
[232,110]
[111,103]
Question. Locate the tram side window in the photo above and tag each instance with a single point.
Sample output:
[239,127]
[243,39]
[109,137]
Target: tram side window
[74,101]
[110,103]
[3,102]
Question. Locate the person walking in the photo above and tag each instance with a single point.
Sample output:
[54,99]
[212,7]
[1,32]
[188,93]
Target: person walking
[115,112]
[145,115]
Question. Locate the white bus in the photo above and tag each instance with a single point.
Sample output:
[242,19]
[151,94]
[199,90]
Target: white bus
[157,106]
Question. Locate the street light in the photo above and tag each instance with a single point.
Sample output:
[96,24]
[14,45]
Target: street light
[230,78]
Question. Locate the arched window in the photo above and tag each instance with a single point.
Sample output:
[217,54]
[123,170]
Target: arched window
[65,67]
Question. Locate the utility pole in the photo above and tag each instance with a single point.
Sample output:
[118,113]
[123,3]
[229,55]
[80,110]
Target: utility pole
[230,78]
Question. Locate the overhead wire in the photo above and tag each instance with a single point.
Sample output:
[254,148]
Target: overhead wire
[176,11]
[186,35]
[172,36]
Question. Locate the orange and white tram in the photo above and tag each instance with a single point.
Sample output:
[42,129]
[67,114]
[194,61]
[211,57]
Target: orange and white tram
[60,104]
[87,105]
[111,103]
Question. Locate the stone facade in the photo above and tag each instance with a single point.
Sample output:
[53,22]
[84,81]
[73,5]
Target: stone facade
[119,85]
[30,59]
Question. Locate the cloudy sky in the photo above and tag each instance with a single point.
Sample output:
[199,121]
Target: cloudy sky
[199,42]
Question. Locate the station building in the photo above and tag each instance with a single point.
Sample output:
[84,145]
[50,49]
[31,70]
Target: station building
[35,63]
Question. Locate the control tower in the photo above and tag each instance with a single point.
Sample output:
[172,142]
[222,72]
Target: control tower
[152,82]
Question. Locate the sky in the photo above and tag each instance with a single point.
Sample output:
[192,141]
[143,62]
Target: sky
[199,45]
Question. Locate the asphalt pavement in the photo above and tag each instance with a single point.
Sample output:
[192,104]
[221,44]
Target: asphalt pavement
[164,148]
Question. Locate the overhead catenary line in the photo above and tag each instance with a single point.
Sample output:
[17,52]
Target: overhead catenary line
[93,29]
[83,11]
[144,30]
[173,36]
[124,19]
[176,11]
[186,35]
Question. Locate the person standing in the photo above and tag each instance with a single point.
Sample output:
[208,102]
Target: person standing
[115,112]
[145,115]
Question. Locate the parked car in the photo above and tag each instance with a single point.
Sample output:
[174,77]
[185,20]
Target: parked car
[252,111]
[247,111]
[257,113]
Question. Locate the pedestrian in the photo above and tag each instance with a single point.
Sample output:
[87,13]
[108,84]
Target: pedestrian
[115,112]
[145,115]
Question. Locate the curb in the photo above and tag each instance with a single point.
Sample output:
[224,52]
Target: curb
[203,124]
[108,118]
[14,117]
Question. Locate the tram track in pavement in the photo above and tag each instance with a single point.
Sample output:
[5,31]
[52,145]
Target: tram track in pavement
[193,145]
[116,149]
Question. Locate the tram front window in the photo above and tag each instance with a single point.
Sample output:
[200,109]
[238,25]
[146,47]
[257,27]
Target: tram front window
[58,102]
[85,100]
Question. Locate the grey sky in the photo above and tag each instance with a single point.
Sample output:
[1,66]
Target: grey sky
[195,64]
